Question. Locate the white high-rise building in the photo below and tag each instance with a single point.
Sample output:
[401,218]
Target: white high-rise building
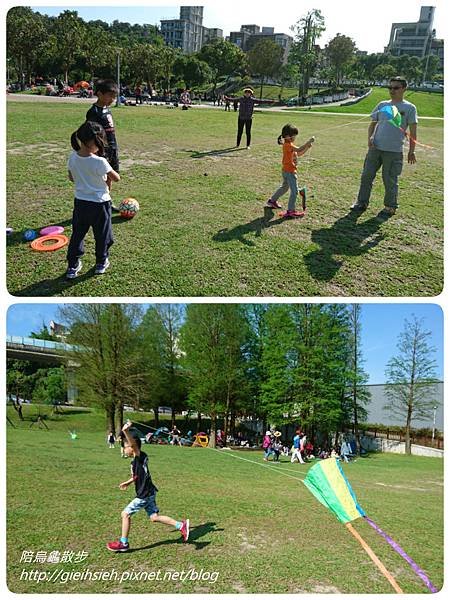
[413,39]
[186,32]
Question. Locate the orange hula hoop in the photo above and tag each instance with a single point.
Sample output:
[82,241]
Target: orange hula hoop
[40,245]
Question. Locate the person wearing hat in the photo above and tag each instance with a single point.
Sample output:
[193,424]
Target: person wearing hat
[246,105]
[277,446]
[267,445]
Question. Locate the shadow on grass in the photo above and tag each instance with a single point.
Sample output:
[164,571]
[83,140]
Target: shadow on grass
[54,287]
[197,154]
[256,226]
[195,533]
[345,237]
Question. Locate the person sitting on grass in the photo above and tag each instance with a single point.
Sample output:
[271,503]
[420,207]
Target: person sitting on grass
[145,495]
[90,172]
[289,170]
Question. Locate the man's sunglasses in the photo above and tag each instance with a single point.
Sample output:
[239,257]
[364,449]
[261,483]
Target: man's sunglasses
[394,88]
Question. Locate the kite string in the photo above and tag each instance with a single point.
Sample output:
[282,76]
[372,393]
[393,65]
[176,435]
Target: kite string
[270,467]
[375,558]
[403,554]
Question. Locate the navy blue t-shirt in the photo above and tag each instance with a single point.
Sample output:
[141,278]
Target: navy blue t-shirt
[103,116]
[142,478]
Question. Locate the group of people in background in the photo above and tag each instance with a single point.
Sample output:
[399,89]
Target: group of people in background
[302,450]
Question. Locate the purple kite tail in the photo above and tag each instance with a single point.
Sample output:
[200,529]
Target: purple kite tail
[403,554]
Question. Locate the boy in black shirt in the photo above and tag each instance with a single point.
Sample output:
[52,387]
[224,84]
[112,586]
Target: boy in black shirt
[106,91]
[145,495]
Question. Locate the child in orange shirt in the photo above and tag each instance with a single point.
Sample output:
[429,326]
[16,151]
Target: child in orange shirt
[289,170]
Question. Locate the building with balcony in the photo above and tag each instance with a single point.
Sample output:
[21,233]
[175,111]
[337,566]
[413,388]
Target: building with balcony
[249,35]
[186,32]
[413,39]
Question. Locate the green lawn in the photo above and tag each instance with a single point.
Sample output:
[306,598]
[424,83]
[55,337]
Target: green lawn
[254,526]
[429,104]
[202,229]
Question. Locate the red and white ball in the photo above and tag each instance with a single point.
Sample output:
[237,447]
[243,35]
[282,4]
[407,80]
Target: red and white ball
[128,208]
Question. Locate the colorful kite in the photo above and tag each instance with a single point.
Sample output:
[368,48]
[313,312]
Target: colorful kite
[394,117]
[327,482]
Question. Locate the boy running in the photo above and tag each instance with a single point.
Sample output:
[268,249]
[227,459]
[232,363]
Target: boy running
[145,495]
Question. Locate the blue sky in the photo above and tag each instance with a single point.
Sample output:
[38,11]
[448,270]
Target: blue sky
[381,325]
[367,24]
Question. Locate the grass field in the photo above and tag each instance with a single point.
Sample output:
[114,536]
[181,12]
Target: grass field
[428,104]
[202,229]
[253,524]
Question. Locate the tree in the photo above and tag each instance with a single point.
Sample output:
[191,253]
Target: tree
[98,49]
[106,354]
[43,334]
[196,72]
[159,347]
[26,39]
[357,378]
[383,72]
[409,376]
[149,63]
[223,58]
[70,31]
[303,52]
[304,357]
[340,51]
[265,60]
[212,338]
[50,386]
[431,65]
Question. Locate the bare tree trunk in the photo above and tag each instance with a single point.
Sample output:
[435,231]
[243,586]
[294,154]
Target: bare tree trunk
[212,435]
[110,418]
[156,412]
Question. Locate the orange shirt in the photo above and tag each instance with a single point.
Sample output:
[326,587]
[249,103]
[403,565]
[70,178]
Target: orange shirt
[289,157]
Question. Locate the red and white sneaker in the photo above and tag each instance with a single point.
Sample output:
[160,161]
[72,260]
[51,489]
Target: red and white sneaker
[292,214]
[185,530]
[118,546]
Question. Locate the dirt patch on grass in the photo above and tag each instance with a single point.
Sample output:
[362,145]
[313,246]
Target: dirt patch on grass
[48,149]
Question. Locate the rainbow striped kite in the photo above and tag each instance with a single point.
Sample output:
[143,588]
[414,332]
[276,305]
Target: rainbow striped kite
[327,482]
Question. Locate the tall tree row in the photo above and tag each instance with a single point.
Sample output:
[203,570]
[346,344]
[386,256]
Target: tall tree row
[106,355]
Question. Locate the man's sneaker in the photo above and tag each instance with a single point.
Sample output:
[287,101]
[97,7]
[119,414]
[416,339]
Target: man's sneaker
[358,206]
[273,204]
[100,268]
[293,214]
[72,272]
[185,530]
[389,210]
[118,546]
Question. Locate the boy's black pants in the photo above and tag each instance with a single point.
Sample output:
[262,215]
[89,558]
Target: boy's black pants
[248,129]
[85,215]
